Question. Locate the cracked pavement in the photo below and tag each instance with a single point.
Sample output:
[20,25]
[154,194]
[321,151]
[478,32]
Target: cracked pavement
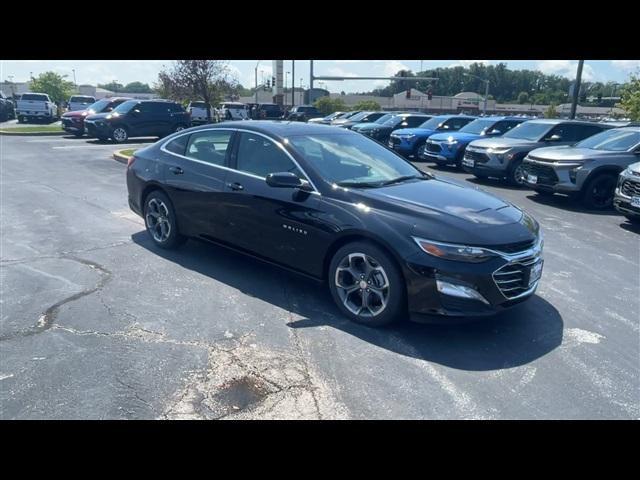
[96,323]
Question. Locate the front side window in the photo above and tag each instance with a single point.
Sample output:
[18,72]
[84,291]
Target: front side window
[433,123]
[479,126]
[209,146]
[351,160]
[456,123]
[260,156]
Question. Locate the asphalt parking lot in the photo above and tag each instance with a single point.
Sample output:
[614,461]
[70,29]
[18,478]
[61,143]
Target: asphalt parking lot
[96,323]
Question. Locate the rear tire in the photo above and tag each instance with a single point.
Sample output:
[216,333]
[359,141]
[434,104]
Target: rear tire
[160,221]
[599,191]
[366,284]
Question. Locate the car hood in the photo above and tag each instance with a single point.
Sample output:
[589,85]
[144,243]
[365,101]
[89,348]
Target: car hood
[571,154]
[75,113]
[419,132]
[459,136]
[503,142]
[371,126]
[98,116]
[449,211]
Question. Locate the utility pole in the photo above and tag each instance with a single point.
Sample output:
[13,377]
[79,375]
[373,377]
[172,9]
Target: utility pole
[74,77]
[576,90]
[256,72]
[293,83]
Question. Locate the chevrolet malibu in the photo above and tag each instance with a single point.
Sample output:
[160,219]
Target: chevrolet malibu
[389,240]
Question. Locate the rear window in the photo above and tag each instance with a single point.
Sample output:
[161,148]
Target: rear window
[232,106]
[82,99]
[198,105]
[34,96]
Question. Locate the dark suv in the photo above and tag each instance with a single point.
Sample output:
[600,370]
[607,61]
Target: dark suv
[269,111]
[304,113]
[138,118]
[7,110]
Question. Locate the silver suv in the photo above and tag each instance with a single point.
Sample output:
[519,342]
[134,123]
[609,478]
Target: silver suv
[588,169]
[502,157]
[627,196]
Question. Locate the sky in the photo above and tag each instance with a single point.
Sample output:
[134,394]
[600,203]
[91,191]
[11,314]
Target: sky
[146,71]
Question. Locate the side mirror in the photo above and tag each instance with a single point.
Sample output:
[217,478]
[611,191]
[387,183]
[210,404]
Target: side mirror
[554,138]
[135,112]
[284,180]
[494,132]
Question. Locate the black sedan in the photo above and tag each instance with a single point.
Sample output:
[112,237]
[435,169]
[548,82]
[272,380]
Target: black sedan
[341,208]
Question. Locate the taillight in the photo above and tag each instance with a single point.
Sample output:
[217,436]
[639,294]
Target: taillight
[130,161]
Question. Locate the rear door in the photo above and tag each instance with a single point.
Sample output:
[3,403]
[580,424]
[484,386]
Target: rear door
[196,168]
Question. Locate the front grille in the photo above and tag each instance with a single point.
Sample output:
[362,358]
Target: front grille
[434,147]
[512,279]
[546,175]
[476,156]
[67,122]
[514,247]
[630,188]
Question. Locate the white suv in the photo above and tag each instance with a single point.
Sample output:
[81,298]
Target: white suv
[233,111]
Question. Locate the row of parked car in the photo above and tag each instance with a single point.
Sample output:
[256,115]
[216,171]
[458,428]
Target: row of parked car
[587,160]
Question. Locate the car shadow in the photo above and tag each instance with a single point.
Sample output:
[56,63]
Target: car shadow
[512,338]
[571,204]
[131,141]
[631,227]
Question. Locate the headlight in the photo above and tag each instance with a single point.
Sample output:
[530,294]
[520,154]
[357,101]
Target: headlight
[407,137]
[497,150]
[448,251]
[451,141]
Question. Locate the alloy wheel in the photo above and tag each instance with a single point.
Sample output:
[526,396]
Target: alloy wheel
[120,134]
[157,218]
[362,285]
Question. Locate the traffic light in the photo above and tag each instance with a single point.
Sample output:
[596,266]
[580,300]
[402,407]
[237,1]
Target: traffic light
[273,81]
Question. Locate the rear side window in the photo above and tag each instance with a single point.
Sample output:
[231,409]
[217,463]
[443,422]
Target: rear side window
[260,156]
[574,133]
[178,145]
[174,107]
[209,146]
[82,99]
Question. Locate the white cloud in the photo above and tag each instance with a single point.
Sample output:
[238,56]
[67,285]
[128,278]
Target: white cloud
[394,66]
[566,68]
[626,65]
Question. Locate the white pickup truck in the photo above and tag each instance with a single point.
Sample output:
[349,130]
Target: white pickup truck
[36,106]
[80,102]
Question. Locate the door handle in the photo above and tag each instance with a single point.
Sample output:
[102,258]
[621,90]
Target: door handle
[176,170]
[235,186]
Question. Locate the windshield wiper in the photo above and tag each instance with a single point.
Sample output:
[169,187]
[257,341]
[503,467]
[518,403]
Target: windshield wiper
[406,177]
[358,184]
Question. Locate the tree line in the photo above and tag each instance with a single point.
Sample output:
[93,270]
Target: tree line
[506,86]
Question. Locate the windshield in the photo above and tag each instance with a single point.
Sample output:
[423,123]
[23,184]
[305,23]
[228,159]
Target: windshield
[612,140]
[433,123]
[352,160]
[478,126]
[358,116]
[529,131]
[125,107]
[384,118]
[99,106]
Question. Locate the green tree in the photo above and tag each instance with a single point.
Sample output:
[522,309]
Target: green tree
[523,97]
[112,86]
[327,105]
[206,80]
[551,112]
[54,85]
[630,97]
[137,87]
[367,105]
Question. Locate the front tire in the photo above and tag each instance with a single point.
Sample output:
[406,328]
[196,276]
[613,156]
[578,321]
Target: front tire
[120,135]
[160,221]
[599,191]
[366,284]
[515,174]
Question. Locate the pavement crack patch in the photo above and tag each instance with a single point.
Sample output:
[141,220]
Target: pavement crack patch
[45,321]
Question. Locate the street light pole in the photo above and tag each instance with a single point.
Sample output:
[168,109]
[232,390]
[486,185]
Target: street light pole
[256,72]
[74,77]
[486,89]
[576,90]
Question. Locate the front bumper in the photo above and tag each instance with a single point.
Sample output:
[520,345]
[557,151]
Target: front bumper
[98,130]
[554,176]
[481,162]
[402,145]
[451,288]
[71,126]
[442,153]
[627,195]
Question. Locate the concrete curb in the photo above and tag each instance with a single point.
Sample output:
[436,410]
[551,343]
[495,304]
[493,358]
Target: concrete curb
[119,157]
[32,134]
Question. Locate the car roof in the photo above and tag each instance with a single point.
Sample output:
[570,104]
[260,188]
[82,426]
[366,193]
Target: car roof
[278,128]
[555,121]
